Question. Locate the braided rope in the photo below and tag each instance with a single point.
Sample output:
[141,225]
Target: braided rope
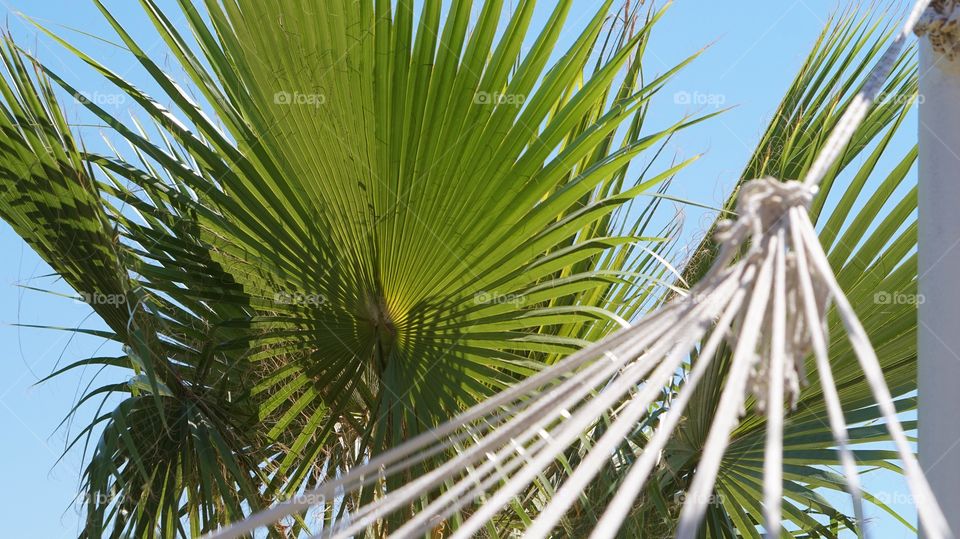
[861,103]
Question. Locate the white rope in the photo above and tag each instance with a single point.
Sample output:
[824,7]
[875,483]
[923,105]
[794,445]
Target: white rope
[639,472]
[727,416]
[576,426]
[418,450]
[773,452]
[548,412]
[531,422]
[616,512]
[931,516]
[857,111]
[814,310]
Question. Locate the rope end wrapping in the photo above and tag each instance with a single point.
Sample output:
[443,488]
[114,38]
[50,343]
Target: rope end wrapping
[761,204]
[941,24]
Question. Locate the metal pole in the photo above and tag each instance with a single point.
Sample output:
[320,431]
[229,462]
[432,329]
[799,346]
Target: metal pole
[939,255]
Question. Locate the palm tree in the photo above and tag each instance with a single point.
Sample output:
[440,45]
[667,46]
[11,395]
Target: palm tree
[318,254]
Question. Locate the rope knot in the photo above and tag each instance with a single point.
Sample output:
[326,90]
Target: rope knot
[941,24]
[761,204]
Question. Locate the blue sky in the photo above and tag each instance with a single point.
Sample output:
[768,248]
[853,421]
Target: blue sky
[757,47]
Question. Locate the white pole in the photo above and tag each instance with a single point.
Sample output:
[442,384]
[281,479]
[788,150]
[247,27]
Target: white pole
[939,256]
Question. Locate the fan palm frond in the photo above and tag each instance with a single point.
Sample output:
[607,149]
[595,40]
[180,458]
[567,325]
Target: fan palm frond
[397,220]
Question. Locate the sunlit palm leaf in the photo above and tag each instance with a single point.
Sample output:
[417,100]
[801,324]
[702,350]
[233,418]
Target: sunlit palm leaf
[398,220]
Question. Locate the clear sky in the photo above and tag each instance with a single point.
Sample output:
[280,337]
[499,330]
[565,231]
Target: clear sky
[757,47]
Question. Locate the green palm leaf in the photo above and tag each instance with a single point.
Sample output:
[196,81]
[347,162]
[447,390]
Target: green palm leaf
[397,220]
